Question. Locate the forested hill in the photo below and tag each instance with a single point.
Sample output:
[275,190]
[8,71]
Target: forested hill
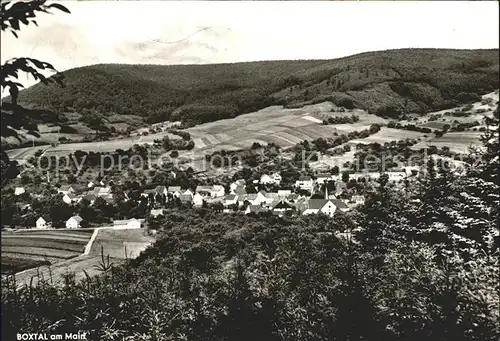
[385,83]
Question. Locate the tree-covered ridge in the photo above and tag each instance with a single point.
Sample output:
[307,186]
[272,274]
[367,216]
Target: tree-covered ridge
[386,83]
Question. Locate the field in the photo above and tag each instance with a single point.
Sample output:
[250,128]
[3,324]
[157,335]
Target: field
[24,249]
[284,127]
[389,134]
[118,244]
[458,142]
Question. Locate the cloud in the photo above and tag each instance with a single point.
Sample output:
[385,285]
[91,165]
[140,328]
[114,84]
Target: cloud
[184,32]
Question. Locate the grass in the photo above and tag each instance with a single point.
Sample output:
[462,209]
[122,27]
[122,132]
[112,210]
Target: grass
[38,246]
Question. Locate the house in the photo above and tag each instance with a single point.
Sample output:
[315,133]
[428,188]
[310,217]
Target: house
[102,191]
[19,191]
[283,193]
[305,183]
[188,192]
[65,189]
[217,191]
[41,223]
[341,205]
[340,187]
[273,179]
[258,198]
[174,191]
[90,184]
[315,206]
[71,198]
[292,197]
[74,222]
[281,207]
[186,198]
[162,190]
[255,209]
[148,192]
[204,191]
[270,197]
[237,183]
[396,175]
[230,199]
[198,200]
[240,190]
[358,199]
[90,197]
[127,224]
[156,212]
[321,178]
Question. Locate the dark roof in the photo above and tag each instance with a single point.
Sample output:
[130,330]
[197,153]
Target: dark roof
[316,204]
[240,190]
[256,208]
[339,203]
[304,178]
[186,197]
[282,204]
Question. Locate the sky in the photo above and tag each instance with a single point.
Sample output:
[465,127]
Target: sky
[195,32]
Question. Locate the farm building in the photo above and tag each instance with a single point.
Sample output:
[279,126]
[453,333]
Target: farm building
[41,223]
[305,183]
[74,222]
[127,224]
[198,200]
[315,206]
[19,190]
[156,212]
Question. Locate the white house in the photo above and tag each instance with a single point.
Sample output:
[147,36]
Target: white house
[321,178]
[198,200]
[230,199]
[254,209]
[74,222]
[274,179]
[70,198]
[174,190]
[41,223]
[188,192]
[204,191]
[127,224]
[217,191]
[65,189]
[236,184]
[19,191]
[358,199]
[396,175]
[156,212]
[315,206]
[162,190]
[305,183]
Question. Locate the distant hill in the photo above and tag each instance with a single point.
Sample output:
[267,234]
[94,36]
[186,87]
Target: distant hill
[386,83]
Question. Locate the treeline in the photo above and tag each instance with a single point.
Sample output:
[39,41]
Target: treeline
[412,80]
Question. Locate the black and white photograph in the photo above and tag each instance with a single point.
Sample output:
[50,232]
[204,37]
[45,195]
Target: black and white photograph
[250,170]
